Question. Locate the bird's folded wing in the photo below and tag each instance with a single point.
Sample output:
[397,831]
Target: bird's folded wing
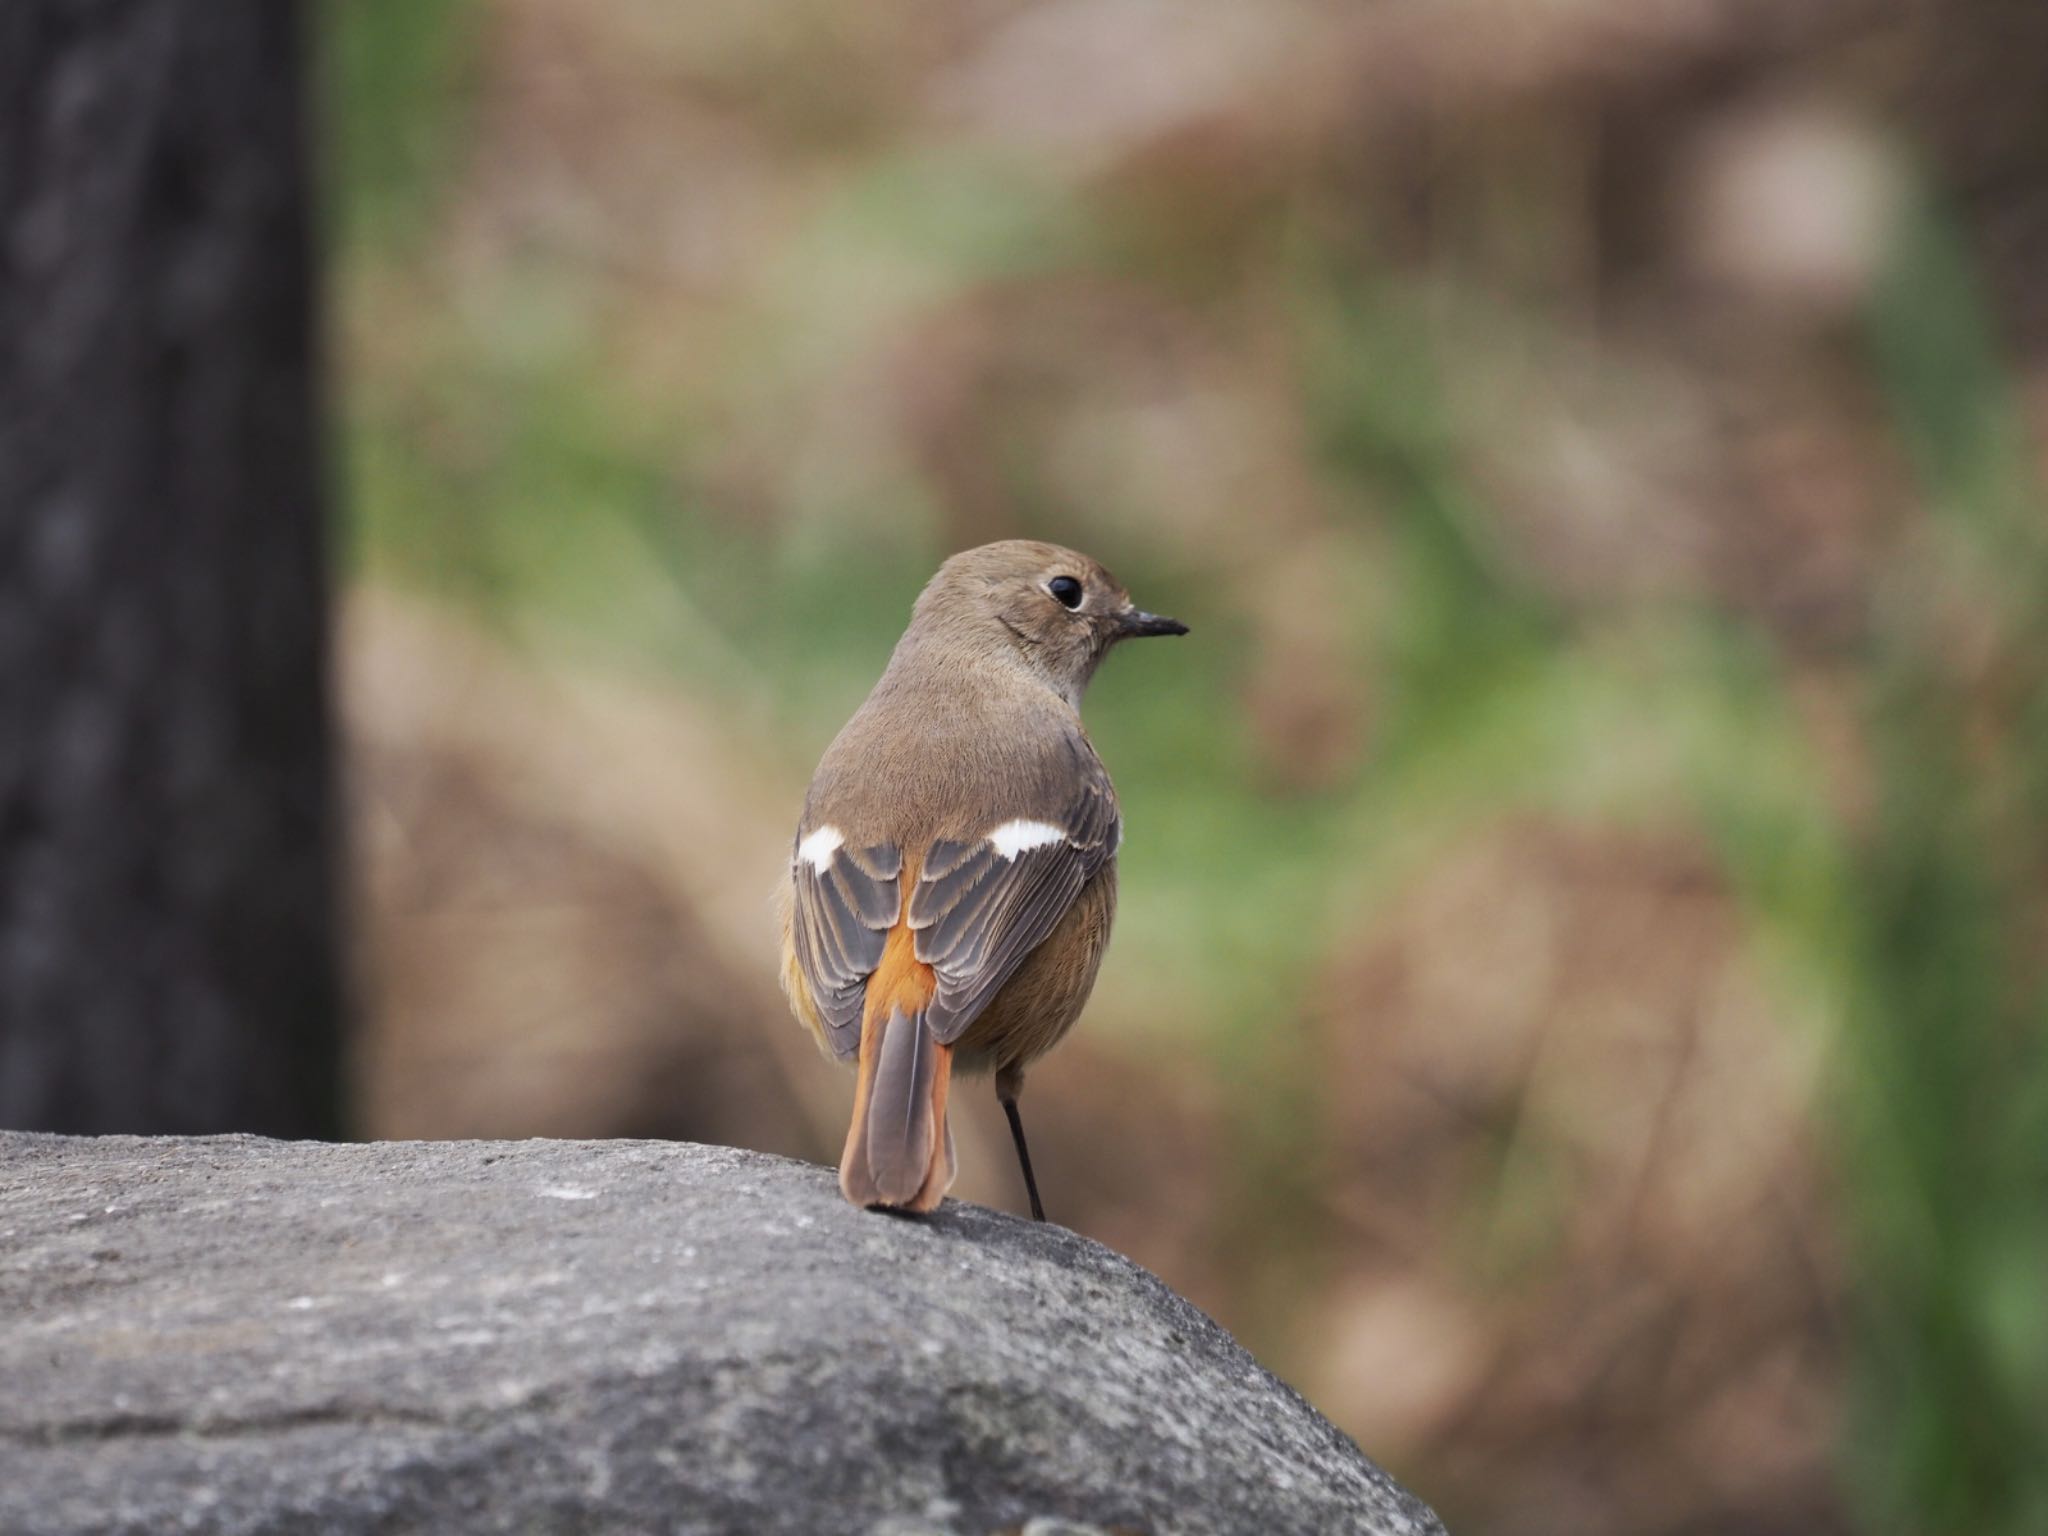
[979,907]
[847,900]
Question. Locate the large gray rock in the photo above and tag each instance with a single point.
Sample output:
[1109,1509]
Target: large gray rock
[239,1335]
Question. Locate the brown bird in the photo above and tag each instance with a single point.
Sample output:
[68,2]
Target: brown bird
[954,874]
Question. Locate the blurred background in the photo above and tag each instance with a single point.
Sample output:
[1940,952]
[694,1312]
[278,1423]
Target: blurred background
[1576,1007]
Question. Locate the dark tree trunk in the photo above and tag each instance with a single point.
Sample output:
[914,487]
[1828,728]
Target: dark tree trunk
[167,961]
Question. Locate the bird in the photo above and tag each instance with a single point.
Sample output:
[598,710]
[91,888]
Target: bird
[953,876]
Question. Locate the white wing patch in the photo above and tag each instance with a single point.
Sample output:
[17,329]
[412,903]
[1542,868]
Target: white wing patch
[817,849]
[1015,837]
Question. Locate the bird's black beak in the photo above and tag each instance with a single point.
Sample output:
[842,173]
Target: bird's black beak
[1135,621]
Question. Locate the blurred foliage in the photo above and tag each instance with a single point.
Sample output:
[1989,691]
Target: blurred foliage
[393,79]
[718,476]
[1948,1099]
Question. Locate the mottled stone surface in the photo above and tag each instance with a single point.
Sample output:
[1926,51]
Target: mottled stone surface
[240,1335]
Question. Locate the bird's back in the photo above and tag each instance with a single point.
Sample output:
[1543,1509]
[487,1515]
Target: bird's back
[939,746]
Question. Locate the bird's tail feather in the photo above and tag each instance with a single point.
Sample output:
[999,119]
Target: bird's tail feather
[899,1149]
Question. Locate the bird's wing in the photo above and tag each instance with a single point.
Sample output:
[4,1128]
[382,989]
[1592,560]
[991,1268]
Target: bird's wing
[847,900]
[979,907]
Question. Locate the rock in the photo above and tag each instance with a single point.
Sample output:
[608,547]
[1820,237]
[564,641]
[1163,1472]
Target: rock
[237,1335]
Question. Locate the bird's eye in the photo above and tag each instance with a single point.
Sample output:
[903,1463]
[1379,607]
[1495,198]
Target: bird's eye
[1065,590]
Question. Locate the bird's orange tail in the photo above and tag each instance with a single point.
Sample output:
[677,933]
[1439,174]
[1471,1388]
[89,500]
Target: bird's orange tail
[899,1151]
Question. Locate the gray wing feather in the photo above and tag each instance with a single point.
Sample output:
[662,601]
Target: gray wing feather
[843,916]
[978,914]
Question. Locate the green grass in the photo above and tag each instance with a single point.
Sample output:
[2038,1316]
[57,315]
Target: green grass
[394,89]
[1945,1101]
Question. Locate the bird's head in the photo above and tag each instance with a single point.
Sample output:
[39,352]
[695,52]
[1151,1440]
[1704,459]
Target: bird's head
[1057,610]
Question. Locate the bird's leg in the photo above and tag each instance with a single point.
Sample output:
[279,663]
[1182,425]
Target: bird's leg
[1010,1083]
